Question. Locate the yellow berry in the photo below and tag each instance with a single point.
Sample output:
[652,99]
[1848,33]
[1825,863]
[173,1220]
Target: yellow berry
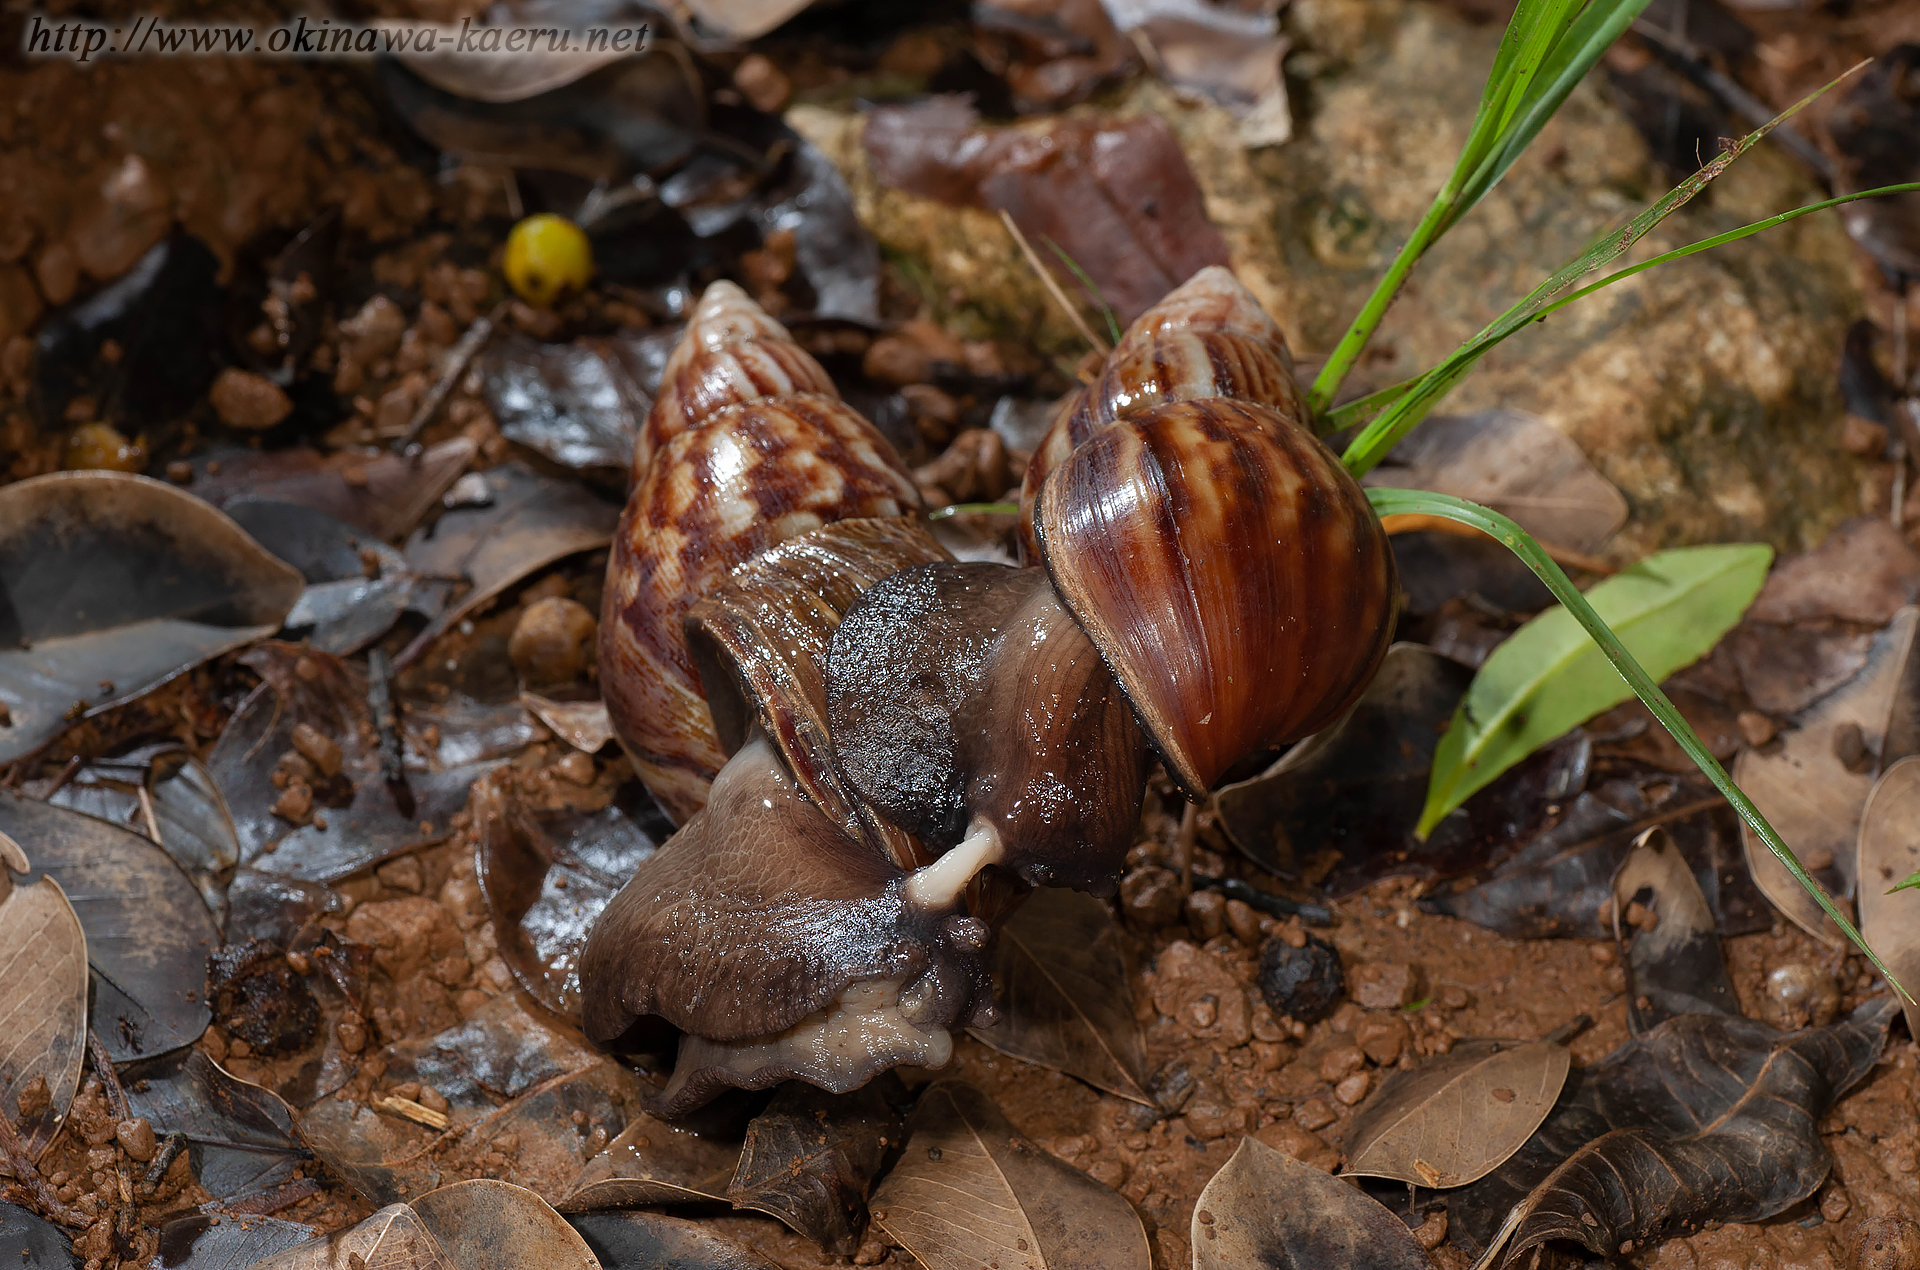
[547,256]
[100,445]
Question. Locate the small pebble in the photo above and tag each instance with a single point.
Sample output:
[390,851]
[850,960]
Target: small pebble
[431,1098]
[1313,1114]
[1384,1037]
[553,642]
[317,748]
[1206,915]
[1384,985]
[1756,728]
[248,401]
[1353,1088]
[137,1139]
[1799,995]
[1302,982]
[1340,1062]
[1151,896]
[1244,921]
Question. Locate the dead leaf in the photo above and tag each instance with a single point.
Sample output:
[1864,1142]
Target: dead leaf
[1705,1118]
[580,404]
[1805,788]
[1889,854]
[1457,1117]
[1668,938]
[474,1225]
[971,1190]
[148,930]
[1874,128]
[582,724]
[1065,1001]
[211,1241]
[1265,1211]
[654,1241]
[241,1135]
[811,1156]
[381,493]
[1229,54]
[1864,571]
[529,522]
[1514,463]
[110,585]
[483,77]
[1785,669]
[43,998]
[41,1244]
[653,1162]
[357,586]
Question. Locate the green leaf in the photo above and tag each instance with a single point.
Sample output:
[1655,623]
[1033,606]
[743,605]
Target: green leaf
[1668,610]
[1387,502]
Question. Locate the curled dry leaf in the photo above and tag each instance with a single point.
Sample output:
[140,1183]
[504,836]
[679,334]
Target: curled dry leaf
[1265,1211]
[582,724]
[1517,464]
[148,930]
[810,1157]
[1889,854]
[475,1225]
[970,1190]
[1668,937]
[1064,997]
[43,1000]
[1806,788]
[382,494]
[654,1241]
[1458,1116]
[211,1241]
[241,1135]
[653,1162]
[1704,1118]
[528,522]
[114,584]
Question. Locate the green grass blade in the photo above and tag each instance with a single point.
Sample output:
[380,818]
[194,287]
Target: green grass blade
[1421,502]
[1093,289]
[976,509]
[1909,884]
[1362,409]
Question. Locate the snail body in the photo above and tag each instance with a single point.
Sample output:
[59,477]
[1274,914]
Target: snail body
[896,744]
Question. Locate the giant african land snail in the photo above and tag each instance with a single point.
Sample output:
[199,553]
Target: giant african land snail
[912,738]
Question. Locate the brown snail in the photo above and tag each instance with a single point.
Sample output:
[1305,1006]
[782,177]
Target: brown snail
[914,739]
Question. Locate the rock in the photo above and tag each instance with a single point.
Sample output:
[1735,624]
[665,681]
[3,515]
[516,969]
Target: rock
[1340,1062]
[1206,915]
[1304,982]
[1353,1088]
[1313,1114]
[1151,896]
[1172,1085]
[1383,985]
[137,1139]
[553,642]
[1887,1243]
[1210,1114]
[1384,1037]
[1704,390]
[317,748]
[259,1000]
[248,401]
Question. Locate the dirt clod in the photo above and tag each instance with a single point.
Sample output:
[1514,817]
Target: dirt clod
[1302,982]
[137,1139]
[1384,985]
[1887,1243]
[248,401]
[1151,896]
[317,748]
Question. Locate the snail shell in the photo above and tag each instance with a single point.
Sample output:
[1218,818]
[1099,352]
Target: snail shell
[717,491]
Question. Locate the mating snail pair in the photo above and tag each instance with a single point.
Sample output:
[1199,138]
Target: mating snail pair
[874,749]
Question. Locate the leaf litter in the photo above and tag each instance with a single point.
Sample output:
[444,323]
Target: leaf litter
[1669,940]
[43,1000]
[1264,1211]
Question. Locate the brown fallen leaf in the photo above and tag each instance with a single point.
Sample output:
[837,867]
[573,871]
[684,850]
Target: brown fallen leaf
[1668,937]
[970,1190]
[582,724]
[1863,572]
[1889,854]
[384,494]
[114,585]
[658,1242]
[1456,1117]
[811,1156]
[1065,999]
[242,1135]
[652,1162]
[475,1225]
[43,1000]
[1806,788]
[1265,1211]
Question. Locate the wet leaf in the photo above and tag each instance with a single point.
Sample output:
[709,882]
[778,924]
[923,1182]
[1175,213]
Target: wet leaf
[1704,1118]
[1668,610]
[653,1162]
[1889,854]
[1435,567]
[110,585]
[580,404]
[970,1190]
[474,1225]
[383,494]
[653,1241]
[1806,789]
[1064,997]
[210,1241]
[353,820]
[1116,195]
[240,1136]
[148,930]
[1051,54]
[357,586]
[582,724]
[37,1244]
[811,1156]
[1668,938]
[43,998]
[1229,55]
[1561,883]
[530,521]
[1517,464]
[1264,1211]
[1458,1116]
[546,879]
[1339,808]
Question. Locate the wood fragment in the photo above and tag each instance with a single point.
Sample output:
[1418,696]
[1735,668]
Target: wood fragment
[459,357]
[1052,285]
[408,1109]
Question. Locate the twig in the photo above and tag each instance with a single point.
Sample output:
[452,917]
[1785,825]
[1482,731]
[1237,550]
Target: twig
[66,774]
[459,357]
[386,724]
[13,1154]
[283,1196]
[122,1111]
[163,1159]
[1052,285]
[1267,902]
[146,811]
